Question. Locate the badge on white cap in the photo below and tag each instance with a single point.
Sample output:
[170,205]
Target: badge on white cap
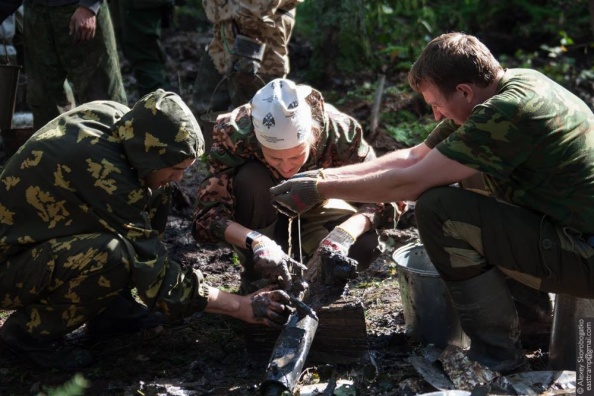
[282,119]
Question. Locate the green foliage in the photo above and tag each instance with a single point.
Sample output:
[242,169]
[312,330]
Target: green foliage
[74,387]
[235,260]
[355,35]
[406,128]
[191,8]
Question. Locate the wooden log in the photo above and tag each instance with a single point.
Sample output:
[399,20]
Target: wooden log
[341,337]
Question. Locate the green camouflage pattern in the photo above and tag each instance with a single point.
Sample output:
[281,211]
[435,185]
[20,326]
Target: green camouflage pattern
[534,142]
[270,21]
[340,143]
[138,25]
[75,187]
[51,56]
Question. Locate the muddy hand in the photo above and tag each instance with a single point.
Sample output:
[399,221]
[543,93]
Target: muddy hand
[271,261]
[271,307]
[336,267]
[297,195]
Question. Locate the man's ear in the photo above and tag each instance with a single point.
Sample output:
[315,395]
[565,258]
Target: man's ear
[467,91]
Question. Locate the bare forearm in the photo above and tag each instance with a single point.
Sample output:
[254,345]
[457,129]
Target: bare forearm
[396,159]
[236,234]
[224,303]
[383,186]
[356,225]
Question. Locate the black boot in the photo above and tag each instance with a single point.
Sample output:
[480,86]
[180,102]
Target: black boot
[489,317]
[44,353]
[123,315]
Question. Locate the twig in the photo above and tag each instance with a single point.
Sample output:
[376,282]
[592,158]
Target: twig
[377,100]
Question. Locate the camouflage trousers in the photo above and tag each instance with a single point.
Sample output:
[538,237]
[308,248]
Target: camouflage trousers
[60,284]
[252,182]
[51,57]
[466,233]
[139,29]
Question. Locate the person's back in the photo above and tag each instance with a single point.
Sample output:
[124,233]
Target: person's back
[533,147]
[70,167]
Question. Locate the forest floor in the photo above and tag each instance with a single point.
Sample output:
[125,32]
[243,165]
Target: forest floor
[210,354]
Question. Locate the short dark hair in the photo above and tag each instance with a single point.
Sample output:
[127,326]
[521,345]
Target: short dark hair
[451,59]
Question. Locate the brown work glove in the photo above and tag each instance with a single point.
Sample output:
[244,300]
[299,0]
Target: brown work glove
[297,195]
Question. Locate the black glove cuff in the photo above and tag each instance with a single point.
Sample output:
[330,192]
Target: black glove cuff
[249,239]
[248,48]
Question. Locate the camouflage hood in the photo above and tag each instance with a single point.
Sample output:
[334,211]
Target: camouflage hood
[159,132]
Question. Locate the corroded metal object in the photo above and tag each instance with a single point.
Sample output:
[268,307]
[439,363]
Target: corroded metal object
[289,354]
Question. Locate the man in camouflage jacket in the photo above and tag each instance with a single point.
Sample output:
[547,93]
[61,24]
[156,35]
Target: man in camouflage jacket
[82,207]
[249,48]
[234,199]
[534,142]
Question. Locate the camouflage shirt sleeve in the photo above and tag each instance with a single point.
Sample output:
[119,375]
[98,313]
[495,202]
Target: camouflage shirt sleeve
[440,133]
[234,143]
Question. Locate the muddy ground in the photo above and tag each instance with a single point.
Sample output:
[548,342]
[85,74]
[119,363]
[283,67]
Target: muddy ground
[209,354]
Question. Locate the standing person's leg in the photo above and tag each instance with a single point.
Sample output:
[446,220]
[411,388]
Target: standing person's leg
[209,97]
[93,66]
[275,64]
[45,75]
[141,43]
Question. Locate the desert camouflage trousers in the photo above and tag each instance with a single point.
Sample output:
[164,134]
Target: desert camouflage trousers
[60,284]
[466,233]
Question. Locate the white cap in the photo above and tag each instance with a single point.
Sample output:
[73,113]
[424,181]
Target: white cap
[282,119]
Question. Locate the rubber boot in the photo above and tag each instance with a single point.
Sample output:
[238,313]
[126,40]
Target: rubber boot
[124,315]
[488,316]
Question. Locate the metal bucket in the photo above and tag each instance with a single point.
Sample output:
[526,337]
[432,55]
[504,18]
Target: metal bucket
[9,80]
[563,343]
[429,316]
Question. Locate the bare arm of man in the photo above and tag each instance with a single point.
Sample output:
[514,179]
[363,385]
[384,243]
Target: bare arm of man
[397,159]
[392,184]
